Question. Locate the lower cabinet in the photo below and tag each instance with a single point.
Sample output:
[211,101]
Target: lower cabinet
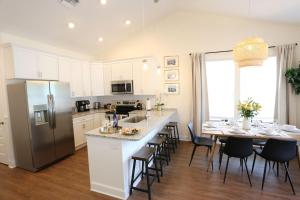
[84,124]
[80,126]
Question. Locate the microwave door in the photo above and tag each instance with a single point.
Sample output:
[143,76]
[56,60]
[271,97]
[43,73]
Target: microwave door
[118,88]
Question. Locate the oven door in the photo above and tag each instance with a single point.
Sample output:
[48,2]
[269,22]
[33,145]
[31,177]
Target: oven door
[118,87]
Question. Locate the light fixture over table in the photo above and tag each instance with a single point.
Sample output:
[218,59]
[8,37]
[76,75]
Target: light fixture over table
[252,51]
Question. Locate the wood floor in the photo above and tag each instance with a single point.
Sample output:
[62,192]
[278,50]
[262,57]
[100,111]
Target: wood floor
[69,179]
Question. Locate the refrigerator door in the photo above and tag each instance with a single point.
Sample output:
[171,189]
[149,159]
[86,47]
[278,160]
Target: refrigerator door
[41,135]
[62,119]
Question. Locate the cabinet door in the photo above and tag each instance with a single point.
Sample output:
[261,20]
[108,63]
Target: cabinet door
[97,82]
[65,70]
[76,79]
[24,63]
[86,76]
[121,71]
[78,133]
[150,79]
[48,66]
[107,79]
[98,119]
[137,76]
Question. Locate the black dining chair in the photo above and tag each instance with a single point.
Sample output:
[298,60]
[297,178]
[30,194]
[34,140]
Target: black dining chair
[199,141]
[279,151]
[240,148]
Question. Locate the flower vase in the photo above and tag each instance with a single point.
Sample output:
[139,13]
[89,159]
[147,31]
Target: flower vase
[159,108]
[246,125]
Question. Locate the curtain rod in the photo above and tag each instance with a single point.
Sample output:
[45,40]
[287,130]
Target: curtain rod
[225,51]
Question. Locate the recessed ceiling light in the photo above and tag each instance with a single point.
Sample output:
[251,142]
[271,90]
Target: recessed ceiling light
[103,2]
[71,25]
[100,39]
[127,22]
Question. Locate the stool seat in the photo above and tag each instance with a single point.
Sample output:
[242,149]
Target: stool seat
[144,153]
[173,124]
[165,130]
[156,141]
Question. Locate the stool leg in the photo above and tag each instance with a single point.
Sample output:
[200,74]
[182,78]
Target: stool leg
[177,133]
[142,170]
[148,181]
[160,160]
[156,168]
[132,176]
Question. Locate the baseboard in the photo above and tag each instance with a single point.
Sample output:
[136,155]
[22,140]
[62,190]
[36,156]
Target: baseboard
[108,190]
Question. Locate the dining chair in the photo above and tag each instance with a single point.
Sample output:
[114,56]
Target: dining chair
[241,148]
[199,141]
[279,151]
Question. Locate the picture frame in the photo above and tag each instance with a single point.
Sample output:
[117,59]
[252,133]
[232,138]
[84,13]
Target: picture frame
[171,88]
[171,61]
[171,75]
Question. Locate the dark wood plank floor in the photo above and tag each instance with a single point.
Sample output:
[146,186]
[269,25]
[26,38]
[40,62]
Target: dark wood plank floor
[69,179]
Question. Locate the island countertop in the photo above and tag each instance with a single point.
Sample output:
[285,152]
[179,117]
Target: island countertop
[155,119]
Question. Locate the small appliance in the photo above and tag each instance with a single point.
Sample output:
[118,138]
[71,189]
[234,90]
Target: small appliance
[122,87]
[97,105]
[83,105]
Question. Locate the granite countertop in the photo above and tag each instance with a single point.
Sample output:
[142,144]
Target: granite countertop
[91,112]
[155,119]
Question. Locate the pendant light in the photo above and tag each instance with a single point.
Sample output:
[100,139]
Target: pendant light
[144,61]
[251,51]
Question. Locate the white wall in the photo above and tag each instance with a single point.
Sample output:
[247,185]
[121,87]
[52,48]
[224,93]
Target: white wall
[182,33]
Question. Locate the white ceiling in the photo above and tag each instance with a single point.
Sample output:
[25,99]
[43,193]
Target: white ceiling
[46,20]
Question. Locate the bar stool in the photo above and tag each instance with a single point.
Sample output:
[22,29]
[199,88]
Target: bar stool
[168,133]
[173,134]
[174,126]
[158,143]
[167,147]
[146,155]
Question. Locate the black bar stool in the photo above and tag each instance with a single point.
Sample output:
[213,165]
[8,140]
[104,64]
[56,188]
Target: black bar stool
[169,134]
[174,126]
[167,146]
[146,155]
[158,143]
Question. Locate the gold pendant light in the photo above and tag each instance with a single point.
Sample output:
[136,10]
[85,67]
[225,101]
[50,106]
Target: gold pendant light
[251,51]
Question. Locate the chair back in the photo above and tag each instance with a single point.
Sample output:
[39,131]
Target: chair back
[191,130]
[280,150]
[238,147]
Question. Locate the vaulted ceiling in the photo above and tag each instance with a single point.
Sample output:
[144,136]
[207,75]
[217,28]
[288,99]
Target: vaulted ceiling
[46,20]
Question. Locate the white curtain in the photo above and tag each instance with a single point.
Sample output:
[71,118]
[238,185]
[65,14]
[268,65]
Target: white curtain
[199,92]
[285,104]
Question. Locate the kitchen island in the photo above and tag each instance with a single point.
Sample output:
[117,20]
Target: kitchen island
[109,155]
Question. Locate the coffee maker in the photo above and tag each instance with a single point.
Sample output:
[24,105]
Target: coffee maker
[83,105]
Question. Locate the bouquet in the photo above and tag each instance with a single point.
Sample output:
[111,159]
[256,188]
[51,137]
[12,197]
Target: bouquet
[249,108]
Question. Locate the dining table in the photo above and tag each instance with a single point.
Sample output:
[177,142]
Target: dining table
[223,129]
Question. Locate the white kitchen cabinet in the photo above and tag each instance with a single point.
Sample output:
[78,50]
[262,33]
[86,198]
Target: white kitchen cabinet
[107,79]
[121,71]
[80,126]
[65,70]
[86,79]
[25,63]
[99,118]
[97,81]
[144,80]
[76,79]
[48,66]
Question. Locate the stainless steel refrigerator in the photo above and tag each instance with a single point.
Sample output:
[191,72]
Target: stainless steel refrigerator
[41,122]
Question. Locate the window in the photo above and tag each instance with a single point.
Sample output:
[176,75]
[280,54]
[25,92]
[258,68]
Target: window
[226,86]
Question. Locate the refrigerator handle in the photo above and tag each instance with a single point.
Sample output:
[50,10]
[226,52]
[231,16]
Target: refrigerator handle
[50,111]
[53,112]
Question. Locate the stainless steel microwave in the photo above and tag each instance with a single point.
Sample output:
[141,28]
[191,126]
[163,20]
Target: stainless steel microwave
[122,87]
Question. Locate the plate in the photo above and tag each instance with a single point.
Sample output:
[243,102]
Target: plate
[130,131]
[237,132]
[295,130]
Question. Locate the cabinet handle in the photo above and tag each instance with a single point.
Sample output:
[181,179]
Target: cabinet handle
[1,123]
[83,126]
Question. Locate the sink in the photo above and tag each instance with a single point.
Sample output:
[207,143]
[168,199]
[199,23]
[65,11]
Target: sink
[135,119]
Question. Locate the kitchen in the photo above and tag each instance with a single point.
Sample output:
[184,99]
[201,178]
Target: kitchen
[86,96]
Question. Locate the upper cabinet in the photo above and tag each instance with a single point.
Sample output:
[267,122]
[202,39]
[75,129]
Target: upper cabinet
[86,78]
[24,63]
[97,82]
[107,74]
[121,71]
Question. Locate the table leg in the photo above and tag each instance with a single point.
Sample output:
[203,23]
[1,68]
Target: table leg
[211,158]
[298,155]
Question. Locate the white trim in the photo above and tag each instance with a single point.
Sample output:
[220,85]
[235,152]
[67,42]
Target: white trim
[108,190]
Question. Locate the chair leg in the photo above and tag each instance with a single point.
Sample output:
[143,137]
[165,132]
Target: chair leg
[288,175]
[226,169]
[207,152]
[132,176]
[298,156]
[220,158]
[277,168]
[254,159]
[246,167]
[195,146]
[288,164]
[263,181]
[241,164]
